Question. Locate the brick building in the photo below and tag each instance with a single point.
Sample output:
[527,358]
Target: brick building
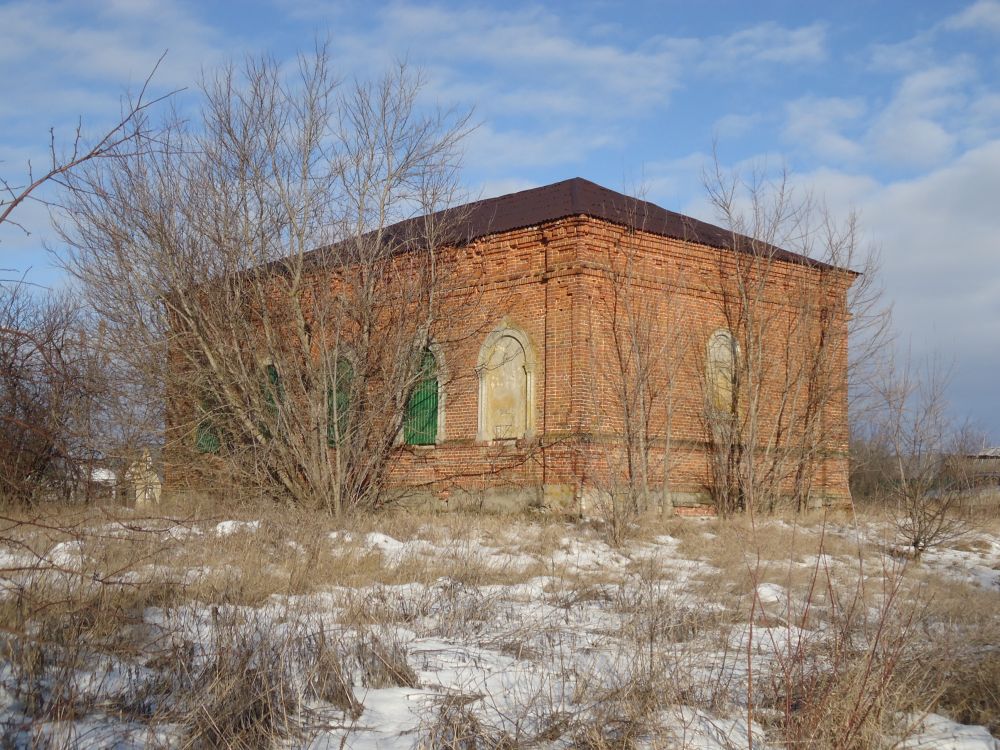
[611,338]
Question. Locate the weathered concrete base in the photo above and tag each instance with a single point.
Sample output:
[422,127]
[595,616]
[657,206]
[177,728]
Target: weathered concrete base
[689,499]
[556,498]
[662,504]
[498,500]
[827,500]
[560,498]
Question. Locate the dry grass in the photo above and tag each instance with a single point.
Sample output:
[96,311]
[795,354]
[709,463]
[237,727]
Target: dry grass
[831,685]
[288,552]
[959,629]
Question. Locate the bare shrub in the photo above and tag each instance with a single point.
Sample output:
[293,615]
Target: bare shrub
[639,349]
[969,680]
[927,476]
[841,670]
[62,626]
[959,633]
[383,661]
[242,695]
[624,708]
[328,679]
[51,385]
[456,726]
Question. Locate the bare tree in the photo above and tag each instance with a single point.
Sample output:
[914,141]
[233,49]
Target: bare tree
[131,126]
[255,270]
[638,351]
[51,386]
[925,476]
[50,369]
[777,389]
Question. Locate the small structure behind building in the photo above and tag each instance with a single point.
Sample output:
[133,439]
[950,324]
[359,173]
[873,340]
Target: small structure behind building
[101,484]
[984,466]
[142,481]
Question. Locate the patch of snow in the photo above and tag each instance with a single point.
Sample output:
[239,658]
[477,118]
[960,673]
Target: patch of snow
[514,651]
[67,555]
[940,733]
[695,729]
[981,567]
[771,593]
[228,528]
[10,558]
[179,533]
[102,476]
[587,555]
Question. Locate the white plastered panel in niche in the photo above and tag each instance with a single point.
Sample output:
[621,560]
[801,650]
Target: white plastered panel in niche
[506,372]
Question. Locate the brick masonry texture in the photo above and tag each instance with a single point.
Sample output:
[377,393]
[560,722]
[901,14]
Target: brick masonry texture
[556,282]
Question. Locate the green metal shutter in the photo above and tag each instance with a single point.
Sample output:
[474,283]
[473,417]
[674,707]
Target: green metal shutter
[206,437]
[420,425]
[338,402]
[273,391]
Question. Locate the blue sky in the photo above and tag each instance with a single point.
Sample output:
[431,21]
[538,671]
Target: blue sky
[892,108]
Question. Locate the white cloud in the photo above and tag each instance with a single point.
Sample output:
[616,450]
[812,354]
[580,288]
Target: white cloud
[905,56]
[66,60]
[766,43]
[815,124]
[840,192]
[670,181]
[493,188]
[487,147]
[940,261]
[982,118]
[981,15]
[551,90]
[102,42]
[937,234]
[524,62]
[735,125]
[912,129]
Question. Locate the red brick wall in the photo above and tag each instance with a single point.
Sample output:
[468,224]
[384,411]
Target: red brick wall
[555,283]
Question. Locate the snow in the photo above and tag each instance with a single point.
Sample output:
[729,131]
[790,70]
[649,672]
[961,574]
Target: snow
[696,729]
[395,551]
[102,476]
[771,593]
[578,555]
[550,639]
[228,528]
[11,558]
[67,555]
[978,565]
[940,733]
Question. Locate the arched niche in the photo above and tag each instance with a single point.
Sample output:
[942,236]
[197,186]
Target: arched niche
[721,370]
[506,370]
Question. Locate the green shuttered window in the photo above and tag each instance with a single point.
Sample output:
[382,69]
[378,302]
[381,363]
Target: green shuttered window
[420,424]
[273,392]
[338,402]
[206,432]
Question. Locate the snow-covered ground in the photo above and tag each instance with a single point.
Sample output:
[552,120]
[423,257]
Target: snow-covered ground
[531,633]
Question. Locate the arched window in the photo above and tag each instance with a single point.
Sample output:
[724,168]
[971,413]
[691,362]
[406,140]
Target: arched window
[506,385]
[206,433]
[420,424]
[722,371]
[338,401]
[273,393]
